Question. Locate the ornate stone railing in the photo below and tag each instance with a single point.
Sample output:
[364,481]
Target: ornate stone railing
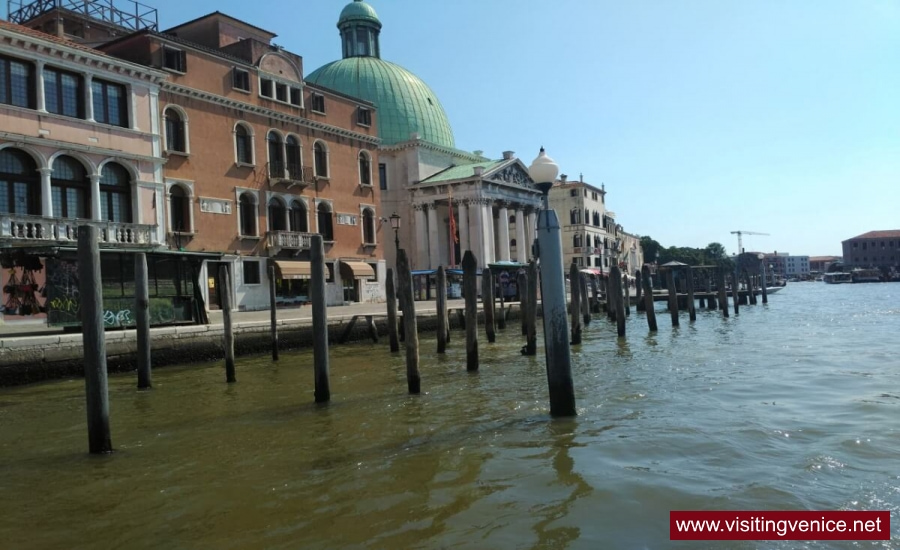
[289,239]
[36,229]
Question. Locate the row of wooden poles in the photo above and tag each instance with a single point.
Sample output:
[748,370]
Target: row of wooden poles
[615,287]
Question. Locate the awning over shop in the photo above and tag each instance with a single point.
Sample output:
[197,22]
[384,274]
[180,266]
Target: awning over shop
[360,270]
[294,270]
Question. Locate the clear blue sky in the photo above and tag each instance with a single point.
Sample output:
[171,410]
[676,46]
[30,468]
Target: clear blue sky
[701,117]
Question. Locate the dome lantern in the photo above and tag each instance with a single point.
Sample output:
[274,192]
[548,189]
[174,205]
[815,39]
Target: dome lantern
[360,27]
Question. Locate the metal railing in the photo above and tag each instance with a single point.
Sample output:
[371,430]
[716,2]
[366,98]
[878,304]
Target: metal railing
[293,173]
[291,240]
[124,13]
[24,229]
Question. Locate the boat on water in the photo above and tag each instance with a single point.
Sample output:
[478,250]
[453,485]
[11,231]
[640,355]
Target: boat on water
[837,277]
[866,275]
[773,289]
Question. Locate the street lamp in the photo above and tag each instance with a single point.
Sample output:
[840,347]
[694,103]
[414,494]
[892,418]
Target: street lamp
[553,293]
[395,225]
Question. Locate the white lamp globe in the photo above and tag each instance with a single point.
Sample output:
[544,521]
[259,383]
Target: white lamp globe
[543,170]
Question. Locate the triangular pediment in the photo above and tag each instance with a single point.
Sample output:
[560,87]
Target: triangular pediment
[513,173]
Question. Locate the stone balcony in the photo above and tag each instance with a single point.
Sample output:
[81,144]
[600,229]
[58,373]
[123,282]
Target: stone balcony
[288,240]
[23,230]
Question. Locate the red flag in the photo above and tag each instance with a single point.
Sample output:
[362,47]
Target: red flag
[453,238]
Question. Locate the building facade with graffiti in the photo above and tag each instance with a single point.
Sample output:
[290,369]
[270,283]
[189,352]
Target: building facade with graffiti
[79,145]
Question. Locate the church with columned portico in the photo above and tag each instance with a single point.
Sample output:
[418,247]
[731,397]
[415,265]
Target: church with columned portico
[448,200]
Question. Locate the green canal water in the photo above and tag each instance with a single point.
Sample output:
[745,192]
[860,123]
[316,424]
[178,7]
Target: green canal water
[793,405]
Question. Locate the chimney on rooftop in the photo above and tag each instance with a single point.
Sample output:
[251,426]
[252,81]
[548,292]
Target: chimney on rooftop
[563,178]
[507,155]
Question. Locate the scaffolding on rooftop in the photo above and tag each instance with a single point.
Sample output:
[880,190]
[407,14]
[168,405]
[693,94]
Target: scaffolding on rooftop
[127,14]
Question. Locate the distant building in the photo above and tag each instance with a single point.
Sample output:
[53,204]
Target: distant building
[591,237]
[796,266]
[820,264]
[873,249]
[777,262]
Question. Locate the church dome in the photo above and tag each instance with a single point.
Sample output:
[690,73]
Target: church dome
[405,104]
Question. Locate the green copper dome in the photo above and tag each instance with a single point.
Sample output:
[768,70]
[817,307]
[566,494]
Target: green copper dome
[405,103]
[358,11]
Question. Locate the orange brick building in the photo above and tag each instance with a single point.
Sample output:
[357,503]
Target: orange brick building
[257,161]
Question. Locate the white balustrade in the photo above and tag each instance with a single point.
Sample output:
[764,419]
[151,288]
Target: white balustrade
[289,239]
[16,227]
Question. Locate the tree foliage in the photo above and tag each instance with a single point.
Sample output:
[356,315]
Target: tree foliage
[712,254]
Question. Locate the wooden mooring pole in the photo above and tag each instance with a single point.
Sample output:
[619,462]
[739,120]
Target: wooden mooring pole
[723,296]
[575,303]
[585,299]
[522,282]
[595,292]
[443,322]
[627,301]
[531,314]
[692,310]
[392,311]
[225,297]
[673,296]
[501,301]
[321,361]
[410,326]
[487,304]
[649,306]
[616,279]
[762,284]
[639,288]
[470,293]
[142,307]
[274,313]
[93,338]
[735,293]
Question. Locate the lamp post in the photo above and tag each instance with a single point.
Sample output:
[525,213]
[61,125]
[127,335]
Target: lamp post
[395,225]
[553,292]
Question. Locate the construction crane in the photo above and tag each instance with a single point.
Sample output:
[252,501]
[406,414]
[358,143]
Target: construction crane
[740,234]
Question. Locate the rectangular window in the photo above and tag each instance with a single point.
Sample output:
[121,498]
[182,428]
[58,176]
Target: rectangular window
[382,176]
[573,193]
[62,93]
[16,83]
[281,92]
[251,273]
[266,87]
[363,117]
[110,103]
[296,97]
[240,79]
[174,60]
[318,103]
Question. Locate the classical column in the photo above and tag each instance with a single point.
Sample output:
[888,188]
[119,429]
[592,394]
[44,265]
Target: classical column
[39,78]
[503,240]
[462,209]
[476,213]
[487,253]
[95,197]
[523,247]
[46,192]
[434,257]
[532,226]
[420,231]
[89,97]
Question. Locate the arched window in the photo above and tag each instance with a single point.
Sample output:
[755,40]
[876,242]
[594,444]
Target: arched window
[294,160]
[574,216]
[587,216]
[247,215]
[368,226]
[70,188]
[243,143]
[179,209]
[298,217]
[323,217]
[321,159]
[276,155]
[20,186]
[176,131]
[277,216]
[576,240]
[365,171]
[596,219]
[115,193]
